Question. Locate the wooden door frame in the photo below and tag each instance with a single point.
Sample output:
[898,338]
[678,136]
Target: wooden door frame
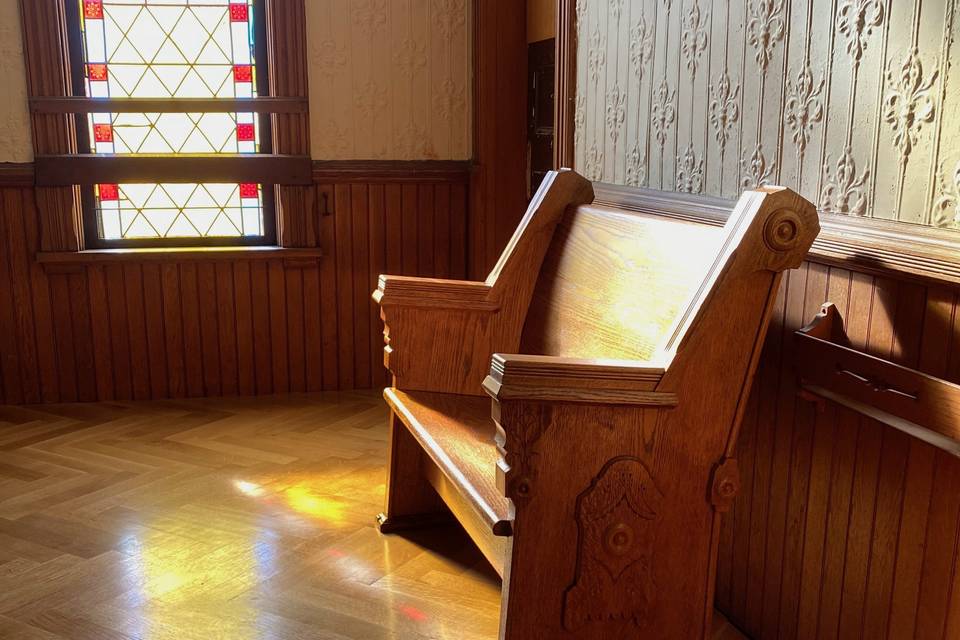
[565,84]
[498,182]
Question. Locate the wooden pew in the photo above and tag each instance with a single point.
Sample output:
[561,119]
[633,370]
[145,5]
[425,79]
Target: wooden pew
[618,350]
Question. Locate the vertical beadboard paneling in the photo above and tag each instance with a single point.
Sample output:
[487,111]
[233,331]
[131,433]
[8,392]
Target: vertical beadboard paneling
[853,103]
[158,330]
[857,524]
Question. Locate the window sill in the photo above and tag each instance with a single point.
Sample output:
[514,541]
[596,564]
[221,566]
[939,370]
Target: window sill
[290,256]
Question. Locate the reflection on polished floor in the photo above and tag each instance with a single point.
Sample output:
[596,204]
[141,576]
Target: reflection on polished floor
[230,518]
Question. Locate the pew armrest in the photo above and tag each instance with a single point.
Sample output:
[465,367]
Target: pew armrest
[405,291]
[557,379]
[439,333]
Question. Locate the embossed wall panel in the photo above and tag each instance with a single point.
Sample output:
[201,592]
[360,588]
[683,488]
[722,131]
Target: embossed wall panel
[15,142]
[390,79]
[851,102]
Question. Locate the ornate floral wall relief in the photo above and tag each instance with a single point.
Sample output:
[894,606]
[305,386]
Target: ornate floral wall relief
[855,104]
[594,164]
[765,27]
[370,15]
[844,191]
[616,9]
[636,167]
[947,206]
[597,57]
[663,113]
[756,170]
[856,21]
[803,108]
[451,17]
[616,113]
[579,119]
[908,102]
[641,46]
[689,172]
[724,109]
[693,41]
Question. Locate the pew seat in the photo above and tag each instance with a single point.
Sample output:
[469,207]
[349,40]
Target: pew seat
[577,412]
[457,434]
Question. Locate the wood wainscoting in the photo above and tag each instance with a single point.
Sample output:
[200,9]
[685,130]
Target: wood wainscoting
[147,329]
[844,527]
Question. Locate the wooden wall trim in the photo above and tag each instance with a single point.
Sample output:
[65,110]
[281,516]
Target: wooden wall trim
[47,55]
[287,72]
[23,174]
[867,245]
[565,84]
[419,171]
[16,174]
[498,185]
[170,255]
[72,104]
[89,169]
[287,62]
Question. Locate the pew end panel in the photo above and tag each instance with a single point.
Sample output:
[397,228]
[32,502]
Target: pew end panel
[439,334]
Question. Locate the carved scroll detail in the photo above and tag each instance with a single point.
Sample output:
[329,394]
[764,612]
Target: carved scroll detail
[725,485]
[616,517]
[782,230]
[517,468]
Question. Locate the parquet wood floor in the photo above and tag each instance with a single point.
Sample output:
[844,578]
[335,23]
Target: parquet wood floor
[229,518]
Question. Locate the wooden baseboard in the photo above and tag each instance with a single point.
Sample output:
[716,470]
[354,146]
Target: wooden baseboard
[869,245]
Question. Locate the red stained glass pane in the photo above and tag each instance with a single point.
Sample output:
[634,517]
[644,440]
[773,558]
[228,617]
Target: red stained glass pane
[243,73]
[103,132]
[108,192]
[93,9]
[249,190]
[97,71]
[246,133]
[239,12]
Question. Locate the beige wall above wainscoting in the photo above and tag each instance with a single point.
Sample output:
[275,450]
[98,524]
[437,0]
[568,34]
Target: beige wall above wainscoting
[852,102]
[390,79]
[15,142]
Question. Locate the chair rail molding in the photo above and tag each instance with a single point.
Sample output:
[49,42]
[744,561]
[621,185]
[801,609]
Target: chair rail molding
[869,245]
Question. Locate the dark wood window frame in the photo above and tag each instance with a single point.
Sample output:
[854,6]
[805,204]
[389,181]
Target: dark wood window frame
[91,224]
[62,170]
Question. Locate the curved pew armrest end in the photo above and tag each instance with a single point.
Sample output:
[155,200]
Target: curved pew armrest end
[405,291]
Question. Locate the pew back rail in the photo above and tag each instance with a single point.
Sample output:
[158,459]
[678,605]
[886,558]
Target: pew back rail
[830,368]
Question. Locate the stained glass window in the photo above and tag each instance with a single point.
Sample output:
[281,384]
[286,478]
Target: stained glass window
[173,49]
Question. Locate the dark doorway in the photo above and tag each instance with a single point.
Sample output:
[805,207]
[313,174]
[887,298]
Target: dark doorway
[541,62]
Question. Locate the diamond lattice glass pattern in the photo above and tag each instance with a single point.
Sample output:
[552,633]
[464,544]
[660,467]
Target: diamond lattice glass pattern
[173,49]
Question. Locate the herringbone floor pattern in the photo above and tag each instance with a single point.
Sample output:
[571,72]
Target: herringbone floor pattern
[230,518]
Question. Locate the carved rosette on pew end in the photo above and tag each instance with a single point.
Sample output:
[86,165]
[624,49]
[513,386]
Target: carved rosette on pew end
[619,350]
